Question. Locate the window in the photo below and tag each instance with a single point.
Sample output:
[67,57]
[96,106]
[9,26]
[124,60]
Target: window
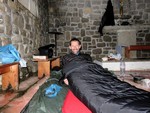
[31,5]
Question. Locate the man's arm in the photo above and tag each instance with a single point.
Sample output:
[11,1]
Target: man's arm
[63,79]
[87,57]
[66,81]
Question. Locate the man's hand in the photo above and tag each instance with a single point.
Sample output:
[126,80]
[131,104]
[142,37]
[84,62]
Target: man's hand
[66,82]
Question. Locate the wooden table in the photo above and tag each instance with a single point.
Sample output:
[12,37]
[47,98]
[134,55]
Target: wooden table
[129,79]
[135,48]
[44,66]
[9,73]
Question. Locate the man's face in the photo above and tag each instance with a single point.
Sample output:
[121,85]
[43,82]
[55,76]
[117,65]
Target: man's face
[75,47]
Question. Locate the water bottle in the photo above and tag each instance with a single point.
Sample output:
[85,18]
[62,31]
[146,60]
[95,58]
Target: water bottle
[122,67]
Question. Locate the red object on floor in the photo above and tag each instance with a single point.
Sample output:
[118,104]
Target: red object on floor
[73,105]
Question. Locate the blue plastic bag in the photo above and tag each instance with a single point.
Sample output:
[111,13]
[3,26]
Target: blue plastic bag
[52,90]
[9,54]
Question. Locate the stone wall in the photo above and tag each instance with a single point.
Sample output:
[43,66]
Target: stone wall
[22,29]
[81,19]
[142,36]
[134,11]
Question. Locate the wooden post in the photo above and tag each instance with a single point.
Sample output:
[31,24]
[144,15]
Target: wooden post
[43,68]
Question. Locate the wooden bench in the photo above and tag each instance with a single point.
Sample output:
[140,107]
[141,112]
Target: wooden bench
[44,66]
[135,48]
[9,73]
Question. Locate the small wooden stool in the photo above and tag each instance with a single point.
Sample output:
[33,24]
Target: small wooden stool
[44,66]
[9,74]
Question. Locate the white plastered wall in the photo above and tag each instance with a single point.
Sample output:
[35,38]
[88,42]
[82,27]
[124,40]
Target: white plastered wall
[127,38]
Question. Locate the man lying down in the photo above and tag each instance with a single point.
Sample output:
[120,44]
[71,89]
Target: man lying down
[97,88]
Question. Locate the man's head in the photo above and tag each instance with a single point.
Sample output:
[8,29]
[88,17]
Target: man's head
[75,45]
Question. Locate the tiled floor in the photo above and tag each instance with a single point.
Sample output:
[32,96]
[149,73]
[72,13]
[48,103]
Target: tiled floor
[14,102]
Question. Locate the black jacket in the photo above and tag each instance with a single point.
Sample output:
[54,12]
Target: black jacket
[75,58]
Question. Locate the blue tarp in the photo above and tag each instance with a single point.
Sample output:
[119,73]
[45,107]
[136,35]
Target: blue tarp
[9,54]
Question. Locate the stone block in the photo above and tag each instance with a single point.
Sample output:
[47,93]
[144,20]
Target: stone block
[93,42]
[106,52]
[5,41]
[145,16]
[139,1]
[91,47]
[32,66]
[15,30]
[25,40]
[75,14]
[97,51]
[1,21]
[86,39]
[20,48]
[80,12]
[141,35]
[141,6]
[2,1]
[69,14]
[28,27]
[98,57]
[147,1]
[16,39]
[66,44]
[26,18]
[82,32]
[12,4]
[1,29]
[2,7]
[63,49]
[89,32]
[59,43]
[139,22]
[8,9]
[84,46]
[85,20]
[80,5]
[107,39]
[96,36]
[147,38]
[100,44]
[62,54]
[79,25]
[67,21]
[146,31]
[21,22]
[112,45]
[68,35]
[15,18]
[8,30]
[75,19]
[67,28]
[96,22]
[137,17]
[147,10]
[96,2]
[93,28]
[74,24]
[75,33]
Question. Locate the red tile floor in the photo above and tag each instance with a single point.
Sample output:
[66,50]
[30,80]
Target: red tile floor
[14,101]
